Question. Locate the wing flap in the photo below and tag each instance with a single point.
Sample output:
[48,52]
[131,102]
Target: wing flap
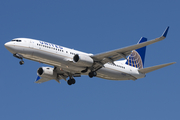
[153,68]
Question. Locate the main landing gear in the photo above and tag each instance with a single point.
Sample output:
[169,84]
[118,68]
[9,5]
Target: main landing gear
[19,57]
[71,81]
[92,74]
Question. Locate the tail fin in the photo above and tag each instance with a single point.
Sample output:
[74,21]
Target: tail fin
[137,57]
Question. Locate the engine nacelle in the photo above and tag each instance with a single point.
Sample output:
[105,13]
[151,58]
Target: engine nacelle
[83,60]
[46,72]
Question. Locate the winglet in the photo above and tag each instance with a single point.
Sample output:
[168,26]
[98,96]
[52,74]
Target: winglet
[38,77]
[165,32]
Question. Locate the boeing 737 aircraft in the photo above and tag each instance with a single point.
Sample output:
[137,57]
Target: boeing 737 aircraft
[70,63]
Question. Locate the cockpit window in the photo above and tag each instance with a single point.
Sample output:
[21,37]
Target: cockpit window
[16,40]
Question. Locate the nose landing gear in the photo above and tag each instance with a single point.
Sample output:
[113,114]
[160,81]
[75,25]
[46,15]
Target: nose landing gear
[21,62]
[19,57]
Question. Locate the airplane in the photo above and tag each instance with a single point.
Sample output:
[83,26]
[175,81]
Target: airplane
[70,63]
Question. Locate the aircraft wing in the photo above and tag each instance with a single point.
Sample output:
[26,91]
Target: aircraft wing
[117,54]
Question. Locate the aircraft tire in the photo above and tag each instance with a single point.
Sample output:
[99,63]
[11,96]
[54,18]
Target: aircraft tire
[92,74]
[21,62]
[71,81]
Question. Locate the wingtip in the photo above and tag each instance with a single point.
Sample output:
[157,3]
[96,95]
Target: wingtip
[173,62]
[165,32]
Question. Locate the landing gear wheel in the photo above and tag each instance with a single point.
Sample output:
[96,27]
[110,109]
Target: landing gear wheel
[71,81]
[21,62]
[92,74]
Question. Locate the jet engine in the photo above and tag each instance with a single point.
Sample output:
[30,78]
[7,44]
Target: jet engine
[83,60]
[46,72]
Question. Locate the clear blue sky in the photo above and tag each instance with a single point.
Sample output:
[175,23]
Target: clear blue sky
[92,26]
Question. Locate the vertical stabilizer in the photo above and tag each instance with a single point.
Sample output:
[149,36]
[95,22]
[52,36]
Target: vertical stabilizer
[137,57]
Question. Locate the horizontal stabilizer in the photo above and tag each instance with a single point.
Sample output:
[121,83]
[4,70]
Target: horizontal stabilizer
[150,69]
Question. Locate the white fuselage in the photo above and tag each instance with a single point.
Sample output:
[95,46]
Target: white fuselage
[62,57]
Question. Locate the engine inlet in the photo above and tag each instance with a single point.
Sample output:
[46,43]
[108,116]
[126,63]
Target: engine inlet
[40,71]
[76,58]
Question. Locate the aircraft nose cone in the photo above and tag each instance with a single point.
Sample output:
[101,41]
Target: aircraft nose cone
[9,47]
[6,45]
